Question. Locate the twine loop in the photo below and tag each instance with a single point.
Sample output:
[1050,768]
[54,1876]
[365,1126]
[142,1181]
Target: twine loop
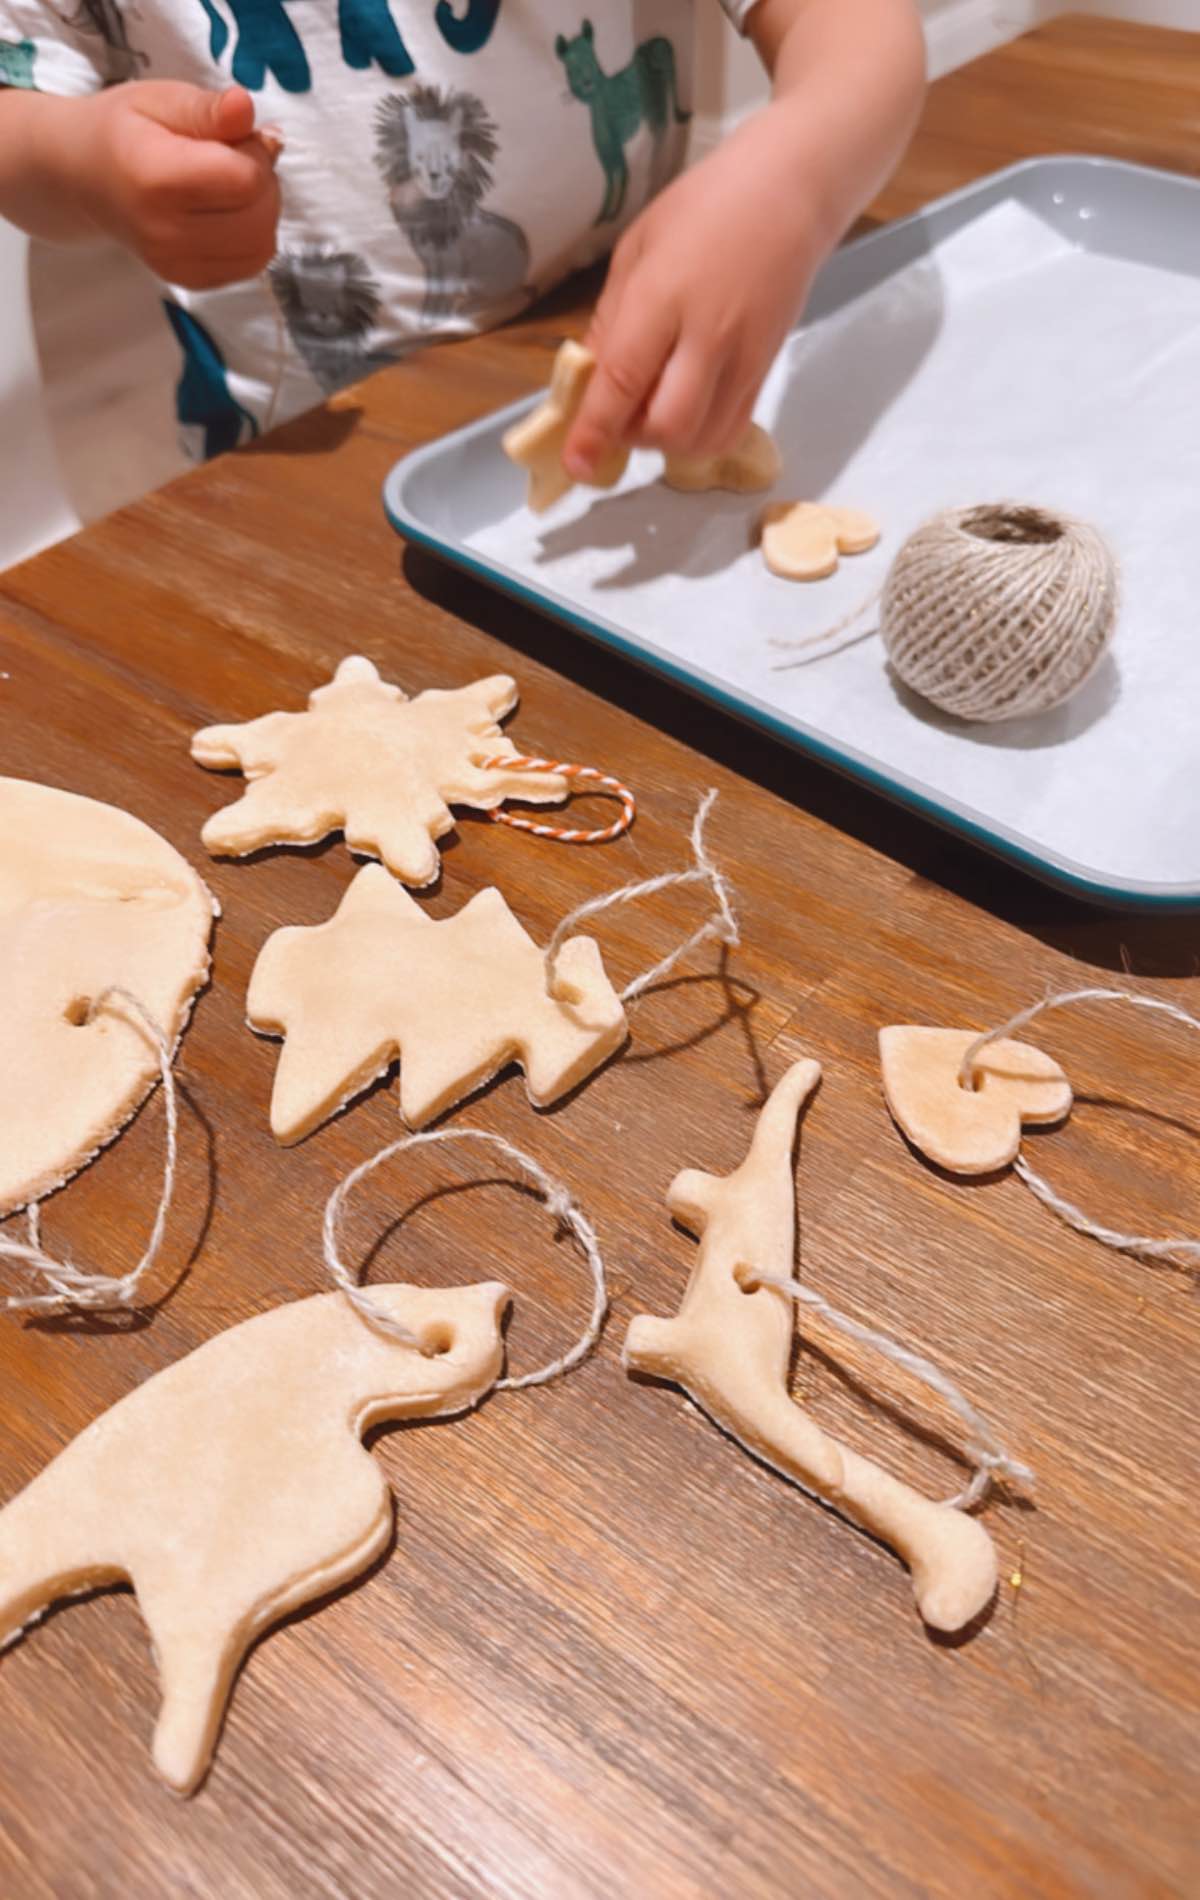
[601,783]
[568,1217]
[722,925]
[71,1286]
[1178,1250]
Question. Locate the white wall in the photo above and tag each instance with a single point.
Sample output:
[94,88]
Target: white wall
[730,81]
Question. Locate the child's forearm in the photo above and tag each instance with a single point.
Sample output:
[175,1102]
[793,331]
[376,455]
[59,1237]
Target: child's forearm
[848,80]
[38,136]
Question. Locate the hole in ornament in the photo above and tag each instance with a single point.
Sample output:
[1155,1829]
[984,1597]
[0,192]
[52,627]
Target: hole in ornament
[1019,527]
[78,1011]
[746,1278]
[436,1340]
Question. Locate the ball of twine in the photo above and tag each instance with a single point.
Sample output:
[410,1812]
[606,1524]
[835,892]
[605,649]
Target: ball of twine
[999,611]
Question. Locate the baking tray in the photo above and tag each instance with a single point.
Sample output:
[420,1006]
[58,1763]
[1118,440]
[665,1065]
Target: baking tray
[1034,337]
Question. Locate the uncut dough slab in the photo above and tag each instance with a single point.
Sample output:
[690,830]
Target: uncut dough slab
[90,897]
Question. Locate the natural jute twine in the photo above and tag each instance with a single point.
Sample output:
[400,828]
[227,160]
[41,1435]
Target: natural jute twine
[722,925]
[560,1203]
[1000,611]
[1178,1249]
[984,1450]
[72,1287]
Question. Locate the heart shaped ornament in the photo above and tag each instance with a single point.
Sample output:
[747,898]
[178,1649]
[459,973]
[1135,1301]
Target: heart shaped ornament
[968,1130]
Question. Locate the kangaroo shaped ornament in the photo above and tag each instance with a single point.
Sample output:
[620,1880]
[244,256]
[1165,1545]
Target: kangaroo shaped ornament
[233,1487]
[729,1349]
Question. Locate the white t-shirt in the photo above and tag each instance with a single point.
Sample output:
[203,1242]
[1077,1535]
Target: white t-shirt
[444,162]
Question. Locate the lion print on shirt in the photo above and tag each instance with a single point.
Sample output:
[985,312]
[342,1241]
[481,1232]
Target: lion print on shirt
[330,303]
[434,150]
[106,20]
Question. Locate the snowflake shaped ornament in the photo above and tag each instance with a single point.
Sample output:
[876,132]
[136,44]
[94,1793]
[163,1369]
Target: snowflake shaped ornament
[368,761]
[457,999]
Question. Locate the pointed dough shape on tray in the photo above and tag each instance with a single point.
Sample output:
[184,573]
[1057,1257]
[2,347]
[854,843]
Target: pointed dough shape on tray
[537,441]
[968,1131]
[233,1486]
[91,899]
[368,761]
[457,999]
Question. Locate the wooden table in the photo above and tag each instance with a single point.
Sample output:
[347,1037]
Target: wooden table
[609,1655]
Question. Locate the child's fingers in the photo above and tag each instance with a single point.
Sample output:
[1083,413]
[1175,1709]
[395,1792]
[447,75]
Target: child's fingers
[627,367]
[195,112]
[730,415]
[608,304]
[680,403]
[220,178]
[233,233]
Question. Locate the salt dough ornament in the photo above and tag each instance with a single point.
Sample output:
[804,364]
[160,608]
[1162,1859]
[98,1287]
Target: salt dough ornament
[750,466]
[536,443]
[458,999]
[368,761]
[233,1487]
[92,901]
[801,540]
[968,1130]
[961,1097]
[730,1348]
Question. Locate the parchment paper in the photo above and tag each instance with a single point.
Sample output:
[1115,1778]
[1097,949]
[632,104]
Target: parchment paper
[1011,364]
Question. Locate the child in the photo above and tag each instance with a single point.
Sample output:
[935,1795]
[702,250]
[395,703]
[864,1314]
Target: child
[380,175]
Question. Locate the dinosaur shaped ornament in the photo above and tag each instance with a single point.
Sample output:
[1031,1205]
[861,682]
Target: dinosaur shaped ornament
[730,1344]
[233,1487]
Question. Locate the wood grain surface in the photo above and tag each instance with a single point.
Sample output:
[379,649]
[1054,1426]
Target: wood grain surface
[608,1655]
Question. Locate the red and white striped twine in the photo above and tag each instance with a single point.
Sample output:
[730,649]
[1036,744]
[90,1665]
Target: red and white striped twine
[601,782]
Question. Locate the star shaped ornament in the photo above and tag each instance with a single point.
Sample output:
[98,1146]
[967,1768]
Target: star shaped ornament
[368,761]
[536,443]
[456,999]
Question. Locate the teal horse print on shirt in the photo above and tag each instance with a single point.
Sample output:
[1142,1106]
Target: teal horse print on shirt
[644,92]
[16,63]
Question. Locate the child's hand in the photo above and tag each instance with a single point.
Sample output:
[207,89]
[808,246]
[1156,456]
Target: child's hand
[701,291]
[179,176]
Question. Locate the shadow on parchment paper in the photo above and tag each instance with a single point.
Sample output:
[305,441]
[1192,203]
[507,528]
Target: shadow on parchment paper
[1134,943]
[847,378]
[1096,697]
[659,527]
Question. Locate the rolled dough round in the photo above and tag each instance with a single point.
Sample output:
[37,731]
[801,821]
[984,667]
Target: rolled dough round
[90,899]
